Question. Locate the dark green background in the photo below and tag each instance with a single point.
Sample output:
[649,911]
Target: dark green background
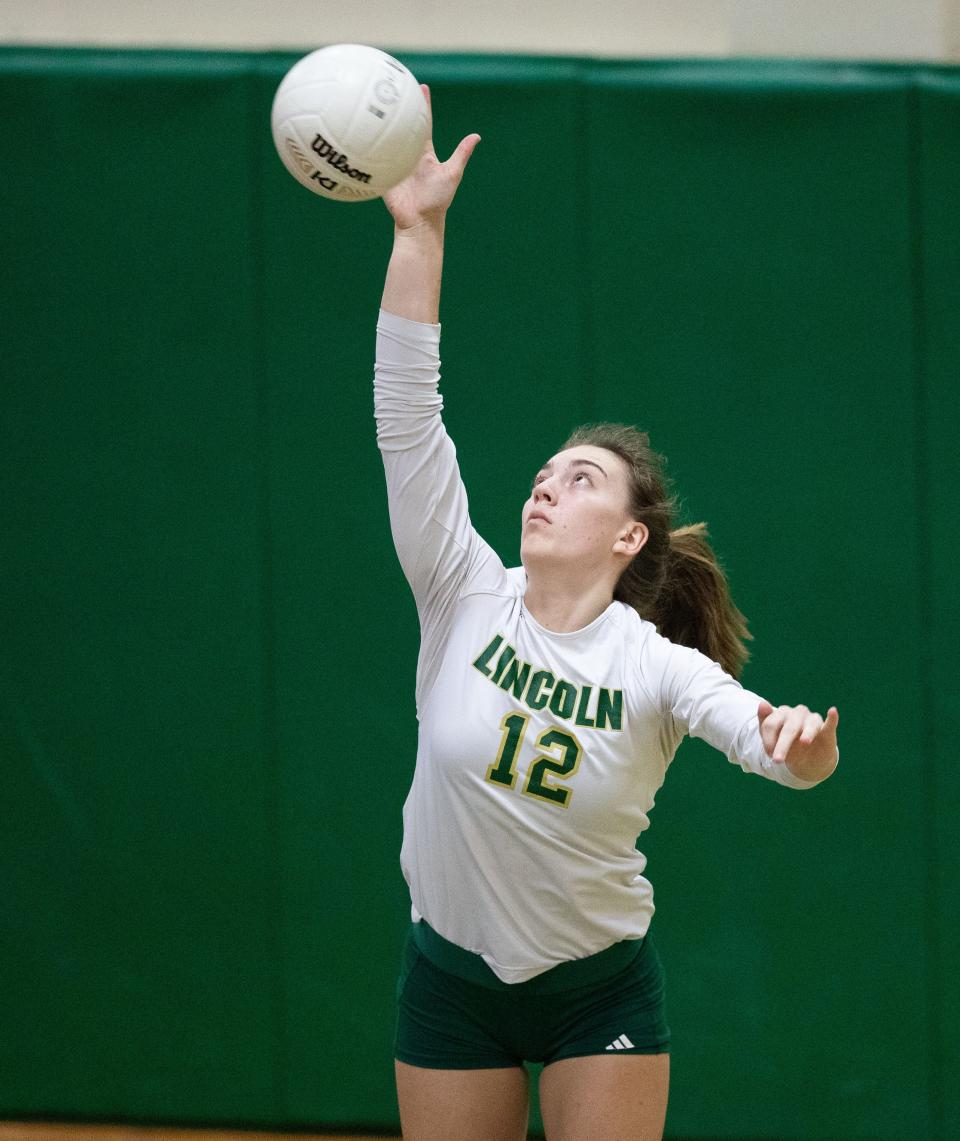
[207,649]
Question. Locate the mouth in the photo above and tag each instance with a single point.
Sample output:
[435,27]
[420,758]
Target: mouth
[537,517]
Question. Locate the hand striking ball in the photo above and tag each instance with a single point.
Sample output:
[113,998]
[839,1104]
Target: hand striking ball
[349,122]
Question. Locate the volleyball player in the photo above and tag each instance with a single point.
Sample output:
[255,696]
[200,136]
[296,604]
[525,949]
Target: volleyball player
[551,699]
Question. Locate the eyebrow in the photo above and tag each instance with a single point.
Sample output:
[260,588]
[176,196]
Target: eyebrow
[548,466]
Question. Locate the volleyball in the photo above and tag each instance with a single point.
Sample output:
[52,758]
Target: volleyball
[349,122]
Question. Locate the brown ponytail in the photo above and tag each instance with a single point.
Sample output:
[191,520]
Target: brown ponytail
[695,608]
[675,581]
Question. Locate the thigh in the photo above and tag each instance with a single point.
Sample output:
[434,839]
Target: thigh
[469,1105]
[604,1097]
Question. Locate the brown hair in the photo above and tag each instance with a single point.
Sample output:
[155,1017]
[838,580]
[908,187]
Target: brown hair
[675,581]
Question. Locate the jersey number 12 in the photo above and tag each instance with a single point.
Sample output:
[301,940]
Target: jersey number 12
[560,759]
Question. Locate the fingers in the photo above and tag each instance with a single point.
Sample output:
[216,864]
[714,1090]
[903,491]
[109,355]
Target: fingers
[779,731]
[782,728]
[460,157]
[465,148]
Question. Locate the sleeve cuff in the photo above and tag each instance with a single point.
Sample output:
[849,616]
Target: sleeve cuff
[390,322]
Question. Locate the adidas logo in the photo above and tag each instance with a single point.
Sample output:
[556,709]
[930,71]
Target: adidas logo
[621,1043]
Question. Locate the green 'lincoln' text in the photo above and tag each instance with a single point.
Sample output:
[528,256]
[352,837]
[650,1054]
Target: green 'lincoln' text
[588,705]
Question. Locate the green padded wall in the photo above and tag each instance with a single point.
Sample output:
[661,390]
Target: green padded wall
[207,652]
[139,952]
[937,139]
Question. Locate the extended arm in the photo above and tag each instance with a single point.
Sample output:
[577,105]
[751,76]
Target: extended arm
[790,745]
[419,208]
[435,541]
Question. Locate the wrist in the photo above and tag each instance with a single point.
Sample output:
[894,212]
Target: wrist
[427,231]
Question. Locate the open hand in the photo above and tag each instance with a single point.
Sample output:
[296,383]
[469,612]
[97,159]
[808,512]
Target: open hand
[801,739]
[428,191]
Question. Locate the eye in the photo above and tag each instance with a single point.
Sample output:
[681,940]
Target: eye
[581,475]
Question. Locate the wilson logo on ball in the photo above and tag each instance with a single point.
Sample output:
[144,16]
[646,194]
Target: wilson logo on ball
[326,151]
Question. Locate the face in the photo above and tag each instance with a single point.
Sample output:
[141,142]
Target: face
[578,512]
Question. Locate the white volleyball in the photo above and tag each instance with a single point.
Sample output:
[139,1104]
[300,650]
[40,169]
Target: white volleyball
[349,122]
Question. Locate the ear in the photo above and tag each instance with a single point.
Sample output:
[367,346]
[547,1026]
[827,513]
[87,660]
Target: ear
[631,539]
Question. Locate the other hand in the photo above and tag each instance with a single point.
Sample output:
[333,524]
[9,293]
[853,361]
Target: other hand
[796,736]
[426,194]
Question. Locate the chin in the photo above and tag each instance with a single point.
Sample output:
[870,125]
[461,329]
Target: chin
[537,557]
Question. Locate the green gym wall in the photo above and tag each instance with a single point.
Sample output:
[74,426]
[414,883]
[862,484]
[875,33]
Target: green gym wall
[207,649]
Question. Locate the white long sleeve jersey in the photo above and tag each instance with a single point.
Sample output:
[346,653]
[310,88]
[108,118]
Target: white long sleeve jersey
[539,753]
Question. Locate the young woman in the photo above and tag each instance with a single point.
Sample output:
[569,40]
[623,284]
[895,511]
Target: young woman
[551,699]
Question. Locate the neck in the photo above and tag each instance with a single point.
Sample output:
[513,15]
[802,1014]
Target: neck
[564,610]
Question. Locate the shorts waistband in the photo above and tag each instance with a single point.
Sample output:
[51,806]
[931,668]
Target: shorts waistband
[575,973]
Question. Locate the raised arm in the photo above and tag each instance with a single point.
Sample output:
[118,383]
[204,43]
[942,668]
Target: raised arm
[435,541]
[419,207]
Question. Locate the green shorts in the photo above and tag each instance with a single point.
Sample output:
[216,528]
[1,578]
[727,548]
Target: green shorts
[610,1003]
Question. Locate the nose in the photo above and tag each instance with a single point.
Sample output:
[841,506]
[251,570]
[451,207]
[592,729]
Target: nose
[544,491]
